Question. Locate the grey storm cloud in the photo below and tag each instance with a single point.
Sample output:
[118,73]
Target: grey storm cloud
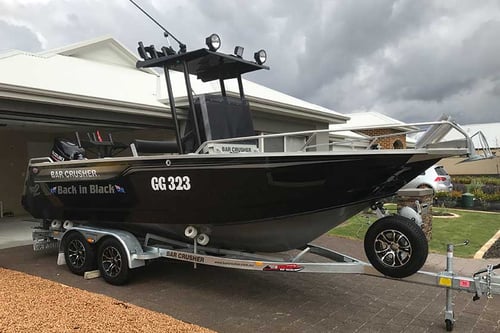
[412,60]
[18,37]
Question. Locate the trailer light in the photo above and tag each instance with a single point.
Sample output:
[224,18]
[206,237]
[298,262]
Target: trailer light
[238,51]
[91,240]
[213,42]
[260,56]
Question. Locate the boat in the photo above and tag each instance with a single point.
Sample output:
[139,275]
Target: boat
[215,180]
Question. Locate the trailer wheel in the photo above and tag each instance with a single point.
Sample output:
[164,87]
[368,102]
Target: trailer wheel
[396,246]
[449,325]
[78,253]
[112,261]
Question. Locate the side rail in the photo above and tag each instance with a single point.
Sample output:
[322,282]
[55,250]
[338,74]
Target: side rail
[433,137]
[40,160]
[30,163]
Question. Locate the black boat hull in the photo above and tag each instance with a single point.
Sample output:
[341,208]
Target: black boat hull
[266,202]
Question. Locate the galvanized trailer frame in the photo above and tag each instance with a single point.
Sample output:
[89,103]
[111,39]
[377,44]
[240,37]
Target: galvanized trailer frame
[484,282]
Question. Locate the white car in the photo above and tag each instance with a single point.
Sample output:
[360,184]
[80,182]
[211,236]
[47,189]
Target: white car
[435,178]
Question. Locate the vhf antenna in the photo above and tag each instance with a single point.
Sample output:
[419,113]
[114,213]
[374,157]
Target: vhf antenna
[182,46]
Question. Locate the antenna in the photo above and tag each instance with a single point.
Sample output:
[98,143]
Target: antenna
[182,46]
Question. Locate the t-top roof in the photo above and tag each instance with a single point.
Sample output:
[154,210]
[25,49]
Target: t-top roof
[203,63]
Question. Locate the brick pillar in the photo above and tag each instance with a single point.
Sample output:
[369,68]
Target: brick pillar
[425,197]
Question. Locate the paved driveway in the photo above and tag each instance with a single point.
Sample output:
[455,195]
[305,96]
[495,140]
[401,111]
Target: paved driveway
[244,301]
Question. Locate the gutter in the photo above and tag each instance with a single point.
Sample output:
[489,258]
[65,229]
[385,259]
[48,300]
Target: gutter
[22,93]
[273,107]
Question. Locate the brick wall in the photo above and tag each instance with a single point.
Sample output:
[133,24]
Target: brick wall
[386,143]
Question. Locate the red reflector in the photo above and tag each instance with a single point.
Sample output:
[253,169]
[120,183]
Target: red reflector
[464,284]
[440,179]
[284,268]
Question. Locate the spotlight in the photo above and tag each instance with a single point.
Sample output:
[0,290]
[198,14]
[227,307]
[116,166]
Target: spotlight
[238,51]
[260,57]
[213,42]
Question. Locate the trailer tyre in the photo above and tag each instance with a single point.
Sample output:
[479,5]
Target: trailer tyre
[449,325]
[112,261]
[78,253]
[396,246]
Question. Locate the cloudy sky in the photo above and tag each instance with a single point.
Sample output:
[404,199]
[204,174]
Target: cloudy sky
[412,60]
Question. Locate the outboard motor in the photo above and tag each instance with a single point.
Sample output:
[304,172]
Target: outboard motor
[65,150]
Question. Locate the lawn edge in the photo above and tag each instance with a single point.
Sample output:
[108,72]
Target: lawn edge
[480,253]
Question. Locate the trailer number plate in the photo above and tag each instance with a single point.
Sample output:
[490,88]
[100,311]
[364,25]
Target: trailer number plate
[45,245]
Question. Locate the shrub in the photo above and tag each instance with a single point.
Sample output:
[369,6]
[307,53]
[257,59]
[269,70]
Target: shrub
[461,179]
[441,195]
[471,179]
[491,197]
[490,189]
[474,186]
[490,180]
[478,193]
[461,188]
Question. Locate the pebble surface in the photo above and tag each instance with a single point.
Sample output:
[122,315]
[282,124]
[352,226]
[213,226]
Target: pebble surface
[32,304]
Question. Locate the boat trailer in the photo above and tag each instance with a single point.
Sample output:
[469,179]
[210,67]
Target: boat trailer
[124,245]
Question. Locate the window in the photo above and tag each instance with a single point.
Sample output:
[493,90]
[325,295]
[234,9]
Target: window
[282,144]
[294,143]
[274,144]
[397,144]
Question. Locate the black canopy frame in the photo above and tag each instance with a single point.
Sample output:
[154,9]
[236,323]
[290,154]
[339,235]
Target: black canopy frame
[205,64]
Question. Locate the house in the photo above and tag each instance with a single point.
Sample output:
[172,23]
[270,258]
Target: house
[392,132]
[491,132]
[95,85]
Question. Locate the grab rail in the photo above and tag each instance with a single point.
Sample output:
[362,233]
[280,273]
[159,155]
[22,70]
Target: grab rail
[435,132]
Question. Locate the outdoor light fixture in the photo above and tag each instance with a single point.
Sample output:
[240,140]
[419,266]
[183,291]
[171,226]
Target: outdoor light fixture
[238,51]
[260,57]
[213,42]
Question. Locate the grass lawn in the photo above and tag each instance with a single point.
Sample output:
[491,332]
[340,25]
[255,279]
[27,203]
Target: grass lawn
[477,227]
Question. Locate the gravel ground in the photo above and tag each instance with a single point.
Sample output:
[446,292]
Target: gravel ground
[32,304]
[493,251]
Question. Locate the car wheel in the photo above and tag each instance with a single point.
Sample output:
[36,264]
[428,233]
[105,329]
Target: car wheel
[396,246]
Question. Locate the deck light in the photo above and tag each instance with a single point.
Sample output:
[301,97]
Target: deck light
[238,51]
[260,56]
[213,42]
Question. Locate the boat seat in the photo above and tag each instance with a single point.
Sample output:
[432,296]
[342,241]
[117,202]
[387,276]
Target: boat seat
[153,147]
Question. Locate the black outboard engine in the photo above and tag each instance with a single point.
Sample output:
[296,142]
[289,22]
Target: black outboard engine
[65,150]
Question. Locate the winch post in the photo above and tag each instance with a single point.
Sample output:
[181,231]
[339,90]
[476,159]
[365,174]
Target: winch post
[448,314]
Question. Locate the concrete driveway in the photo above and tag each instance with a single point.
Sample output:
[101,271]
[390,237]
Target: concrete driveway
[15,231]
[241,301]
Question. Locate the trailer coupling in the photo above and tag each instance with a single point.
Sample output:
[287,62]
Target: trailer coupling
[487,278]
